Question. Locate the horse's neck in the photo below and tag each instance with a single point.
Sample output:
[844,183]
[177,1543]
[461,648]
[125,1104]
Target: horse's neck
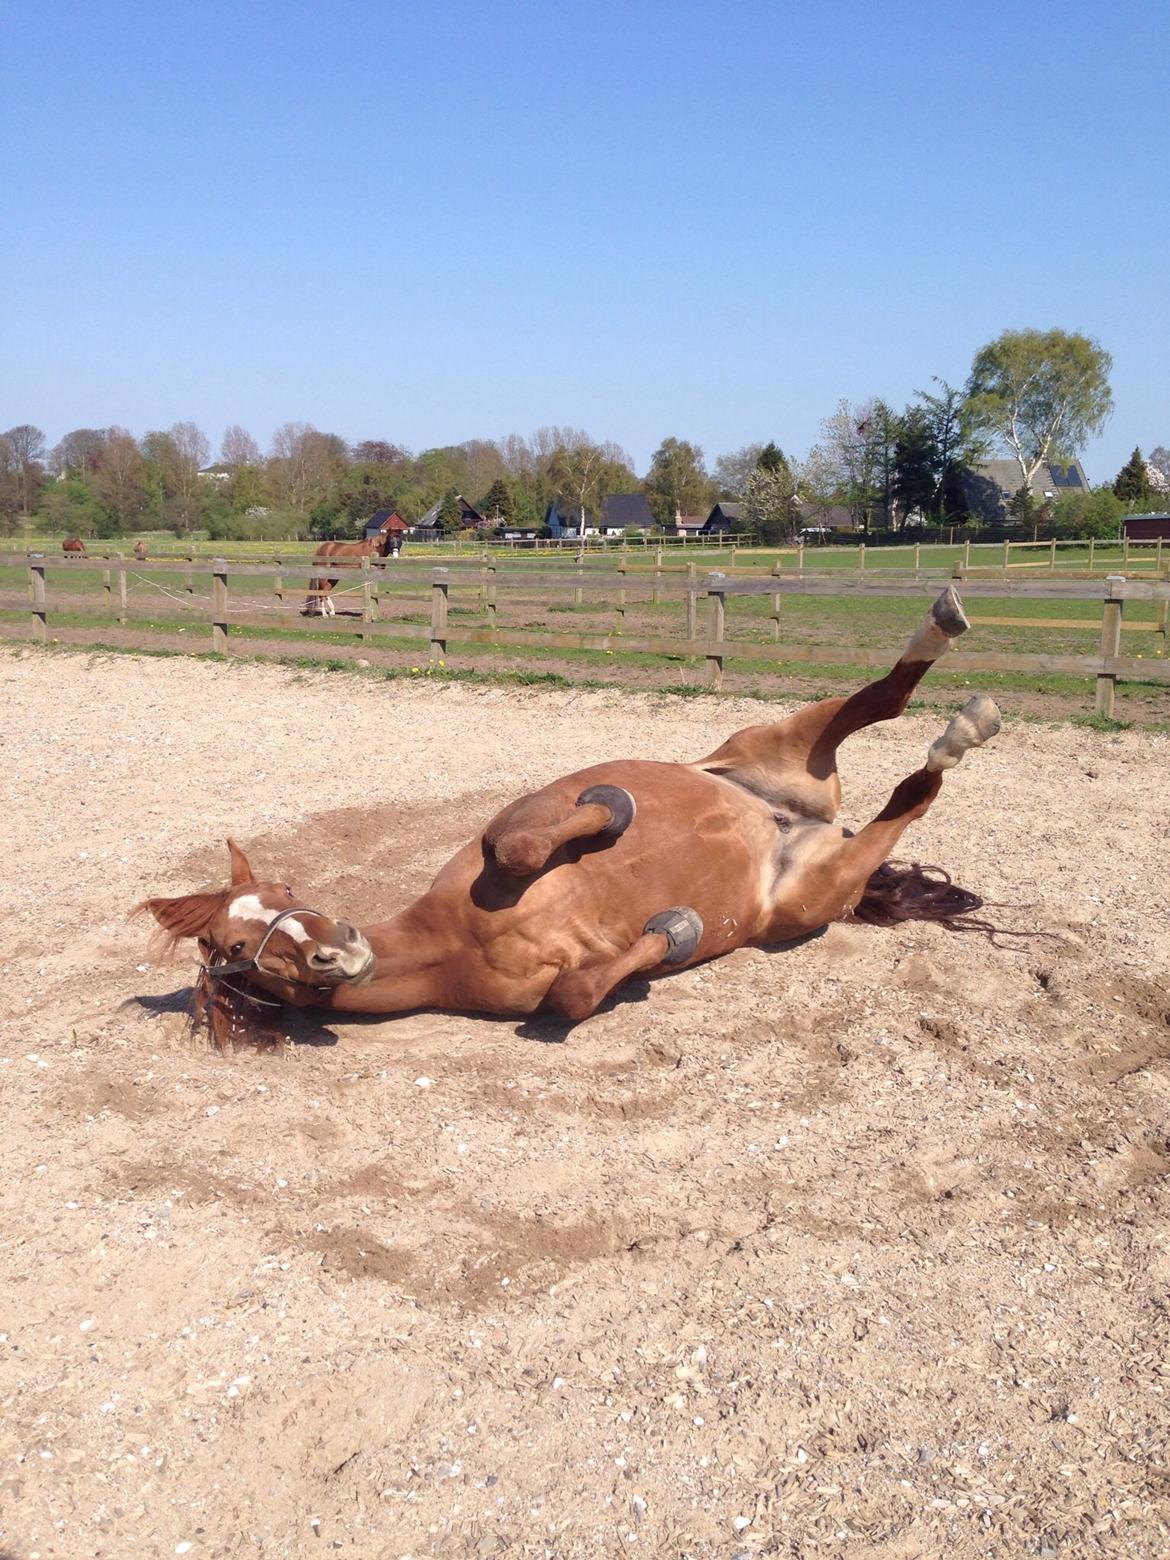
[413,967]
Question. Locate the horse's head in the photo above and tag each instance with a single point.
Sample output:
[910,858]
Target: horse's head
[258,934]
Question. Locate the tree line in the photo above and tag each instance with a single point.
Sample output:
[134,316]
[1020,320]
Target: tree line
[1034,395]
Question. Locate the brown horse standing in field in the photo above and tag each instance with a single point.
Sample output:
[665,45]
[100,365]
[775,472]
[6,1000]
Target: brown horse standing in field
[319,601]
[140,552]
[73,544]
[627,867]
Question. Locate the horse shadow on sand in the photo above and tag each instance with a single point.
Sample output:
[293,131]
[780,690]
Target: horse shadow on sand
[306,1026]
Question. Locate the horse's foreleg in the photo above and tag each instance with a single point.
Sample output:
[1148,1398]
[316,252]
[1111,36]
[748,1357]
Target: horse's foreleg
[670,938]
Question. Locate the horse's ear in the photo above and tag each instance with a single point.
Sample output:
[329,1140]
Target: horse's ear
[241,871]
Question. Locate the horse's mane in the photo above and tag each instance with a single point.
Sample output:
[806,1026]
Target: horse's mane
[187,916]
[900,891]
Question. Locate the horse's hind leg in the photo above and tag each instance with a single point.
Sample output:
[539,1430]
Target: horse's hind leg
[526,834]
[795,761]
[670,938]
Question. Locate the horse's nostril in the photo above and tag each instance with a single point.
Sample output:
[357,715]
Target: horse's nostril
[325,957]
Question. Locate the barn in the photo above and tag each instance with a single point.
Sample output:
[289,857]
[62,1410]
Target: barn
[385,520]
[1146,528]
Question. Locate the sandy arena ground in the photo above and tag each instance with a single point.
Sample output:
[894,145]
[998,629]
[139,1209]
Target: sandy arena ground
[857,1249]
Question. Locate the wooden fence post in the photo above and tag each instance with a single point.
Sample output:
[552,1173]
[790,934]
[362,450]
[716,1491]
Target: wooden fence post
[189,574]
[367,600]
[439,585]
[120,566]
[108,584]
[692,587]
[966,557]
[776,603]
[36,591]
[1091,541]
[481,593]
[917,557]
[219,606]
[715,595]
[861,558]
[1110,644]
[1052,556]
[1163,613]
[620,609]
[656,594]
[800,558]
[578,591]
[491,594]
[278,581]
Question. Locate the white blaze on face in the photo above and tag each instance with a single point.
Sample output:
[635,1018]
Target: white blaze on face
[248,907]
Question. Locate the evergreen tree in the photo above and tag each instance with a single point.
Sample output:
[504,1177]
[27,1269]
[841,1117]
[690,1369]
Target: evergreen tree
[1024,509]
[916,464]
[1133,484]
[450,515]
[498,504]
[771,458]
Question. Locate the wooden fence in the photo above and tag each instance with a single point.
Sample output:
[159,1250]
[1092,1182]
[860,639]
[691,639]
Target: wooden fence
[707,594]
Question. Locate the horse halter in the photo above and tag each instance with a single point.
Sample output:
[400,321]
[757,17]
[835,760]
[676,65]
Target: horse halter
[238,966]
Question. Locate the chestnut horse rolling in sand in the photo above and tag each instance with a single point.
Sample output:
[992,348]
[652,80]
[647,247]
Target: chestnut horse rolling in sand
[319,601]
[629,867]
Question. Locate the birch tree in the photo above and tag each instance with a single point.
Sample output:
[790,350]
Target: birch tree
[1040,394]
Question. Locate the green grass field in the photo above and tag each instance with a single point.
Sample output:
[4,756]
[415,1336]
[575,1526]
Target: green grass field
[162,615]
[1023,560]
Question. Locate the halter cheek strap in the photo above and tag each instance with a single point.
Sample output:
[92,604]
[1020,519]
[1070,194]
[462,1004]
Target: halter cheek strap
[238,966]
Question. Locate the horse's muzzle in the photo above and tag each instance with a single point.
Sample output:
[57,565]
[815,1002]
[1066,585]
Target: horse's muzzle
[351,960]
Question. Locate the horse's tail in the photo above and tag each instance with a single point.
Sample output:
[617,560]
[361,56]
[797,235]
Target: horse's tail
[900,892]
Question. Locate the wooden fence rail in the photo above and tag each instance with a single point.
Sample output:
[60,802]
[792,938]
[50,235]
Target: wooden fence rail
[1107,667]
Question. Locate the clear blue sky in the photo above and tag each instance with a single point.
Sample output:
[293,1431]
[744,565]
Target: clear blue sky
[434,221]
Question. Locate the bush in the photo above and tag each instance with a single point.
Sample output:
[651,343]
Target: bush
[70,509]
[1096,514]
[275,525]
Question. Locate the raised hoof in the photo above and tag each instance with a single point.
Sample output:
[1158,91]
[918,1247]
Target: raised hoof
[983,714]
[682,927]
[948,613]
[976,723]
[621,804]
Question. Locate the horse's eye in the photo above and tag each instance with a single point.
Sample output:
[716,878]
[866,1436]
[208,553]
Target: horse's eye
[235,950]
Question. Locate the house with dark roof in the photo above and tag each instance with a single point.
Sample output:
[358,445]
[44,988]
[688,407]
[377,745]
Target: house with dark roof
[386,520]
[724,517]
[626,512]
[990,487]
[469,518]
[557,524]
